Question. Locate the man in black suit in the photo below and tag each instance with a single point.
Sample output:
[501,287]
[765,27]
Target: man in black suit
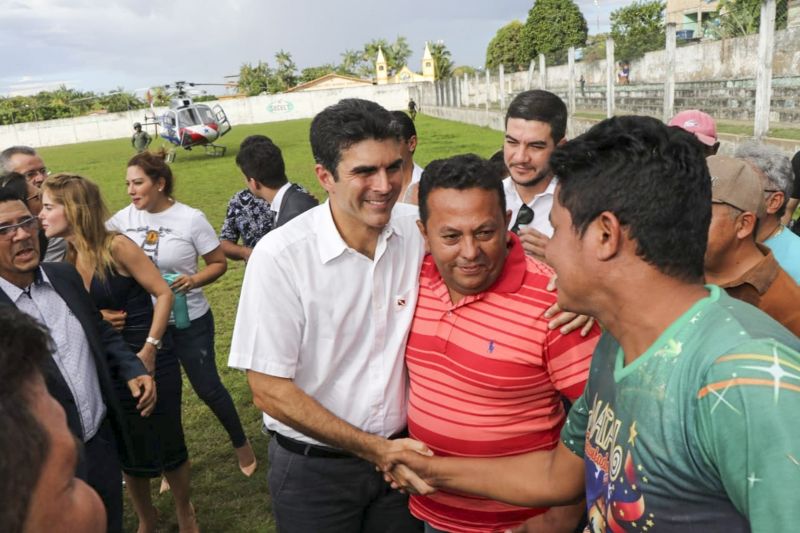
[88,351]
[263,168]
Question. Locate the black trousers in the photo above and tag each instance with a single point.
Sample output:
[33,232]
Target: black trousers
[98,465]
[334,495]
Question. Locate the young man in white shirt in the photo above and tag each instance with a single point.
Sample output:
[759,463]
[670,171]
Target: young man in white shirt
[325,308]
[536,122]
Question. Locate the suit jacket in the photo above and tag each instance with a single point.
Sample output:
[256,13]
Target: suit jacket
[295,201]
[112,357]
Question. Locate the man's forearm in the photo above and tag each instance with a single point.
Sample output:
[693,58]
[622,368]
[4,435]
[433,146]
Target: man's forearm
[286,402]
[535,479]
[234,251]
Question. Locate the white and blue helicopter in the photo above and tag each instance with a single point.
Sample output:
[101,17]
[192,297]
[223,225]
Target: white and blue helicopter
[186,124]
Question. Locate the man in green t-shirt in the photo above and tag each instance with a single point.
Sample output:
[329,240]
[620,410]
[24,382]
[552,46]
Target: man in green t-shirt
[688,421]
[140,139]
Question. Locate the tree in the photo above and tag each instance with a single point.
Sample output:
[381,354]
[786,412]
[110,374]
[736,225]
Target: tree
[312,73]
[285,73]
[506,48]
[595,48]
[254,80]
[552,27]
[350,62]
[442,62]
[743,17]
[460,70]
[638,28]
[362,62]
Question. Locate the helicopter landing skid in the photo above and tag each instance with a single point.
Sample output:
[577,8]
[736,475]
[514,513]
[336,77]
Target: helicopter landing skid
[214,150]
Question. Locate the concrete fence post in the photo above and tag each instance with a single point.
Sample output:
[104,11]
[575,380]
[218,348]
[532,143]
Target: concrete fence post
[488,86]
[465,85]
[477,89]
[502,84]
[529,82]
[454,88]
[609,77]
[766,42]
[571,86]
[669,78]
[542,73]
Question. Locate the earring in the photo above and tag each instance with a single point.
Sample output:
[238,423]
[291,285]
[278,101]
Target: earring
[161,189]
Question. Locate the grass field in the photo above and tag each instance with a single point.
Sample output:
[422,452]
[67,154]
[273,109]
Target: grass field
[224,499]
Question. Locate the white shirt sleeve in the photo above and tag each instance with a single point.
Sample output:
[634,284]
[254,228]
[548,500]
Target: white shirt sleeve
[270,320]
[115,223]
[204,237]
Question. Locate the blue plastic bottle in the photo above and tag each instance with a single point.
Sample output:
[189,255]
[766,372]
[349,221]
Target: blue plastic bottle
[180,309]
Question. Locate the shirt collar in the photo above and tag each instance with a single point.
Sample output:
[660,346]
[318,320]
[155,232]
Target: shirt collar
[761,276]
[278,199]
[511,189]
[14,292]
[330,243]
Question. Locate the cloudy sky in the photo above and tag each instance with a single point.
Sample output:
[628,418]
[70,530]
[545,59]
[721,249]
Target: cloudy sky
[89,44]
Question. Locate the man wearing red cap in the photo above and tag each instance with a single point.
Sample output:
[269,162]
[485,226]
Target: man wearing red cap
[701,125]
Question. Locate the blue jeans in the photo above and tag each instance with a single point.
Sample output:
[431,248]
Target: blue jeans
[194,347]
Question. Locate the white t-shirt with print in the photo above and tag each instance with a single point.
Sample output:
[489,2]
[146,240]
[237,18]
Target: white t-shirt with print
[173,239]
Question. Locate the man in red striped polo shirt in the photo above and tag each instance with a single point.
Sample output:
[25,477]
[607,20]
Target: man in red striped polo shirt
[487,375]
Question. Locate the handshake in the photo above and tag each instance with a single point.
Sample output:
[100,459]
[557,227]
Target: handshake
[407,464]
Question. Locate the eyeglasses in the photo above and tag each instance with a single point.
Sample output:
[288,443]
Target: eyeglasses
[720,202]
[35,172]
[524,218]
[8,232]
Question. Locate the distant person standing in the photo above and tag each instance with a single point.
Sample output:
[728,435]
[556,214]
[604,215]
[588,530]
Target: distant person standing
[140,139]
[412,108]
[583,85]
[248,217]
[265,173]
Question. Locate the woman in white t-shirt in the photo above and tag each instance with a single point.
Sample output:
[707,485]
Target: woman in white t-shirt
[173,235]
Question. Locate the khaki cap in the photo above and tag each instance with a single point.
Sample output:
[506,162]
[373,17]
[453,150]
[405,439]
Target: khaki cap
[734,182]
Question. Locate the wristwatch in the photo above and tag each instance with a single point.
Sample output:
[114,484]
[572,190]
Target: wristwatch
[155,342]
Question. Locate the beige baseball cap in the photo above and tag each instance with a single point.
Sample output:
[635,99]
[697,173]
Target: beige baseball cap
[734,182]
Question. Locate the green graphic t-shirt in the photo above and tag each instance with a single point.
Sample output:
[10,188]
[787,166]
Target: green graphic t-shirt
[700,433]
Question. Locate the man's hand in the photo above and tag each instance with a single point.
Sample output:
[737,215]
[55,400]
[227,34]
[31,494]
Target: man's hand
[403,479]
[148,356]
[144,388]
[114,317]
[533,242]
[388,448]
[570,321]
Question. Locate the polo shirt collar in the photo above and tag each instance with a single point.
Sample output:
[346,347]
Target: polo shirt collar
[761,276]
[330,243]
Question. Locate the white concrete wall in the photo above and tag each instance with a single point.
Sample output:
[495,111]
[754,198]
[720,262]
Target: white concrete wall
[253,110]
[495,120]
[726,59]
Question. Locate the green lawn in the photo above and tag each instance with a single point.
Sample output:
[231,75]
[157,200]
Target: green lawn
[224,499]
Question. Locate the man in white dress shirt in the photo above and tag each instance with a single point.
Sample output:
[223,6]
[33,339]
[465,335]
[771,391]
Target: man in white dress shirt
[536,122]
[325,308]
